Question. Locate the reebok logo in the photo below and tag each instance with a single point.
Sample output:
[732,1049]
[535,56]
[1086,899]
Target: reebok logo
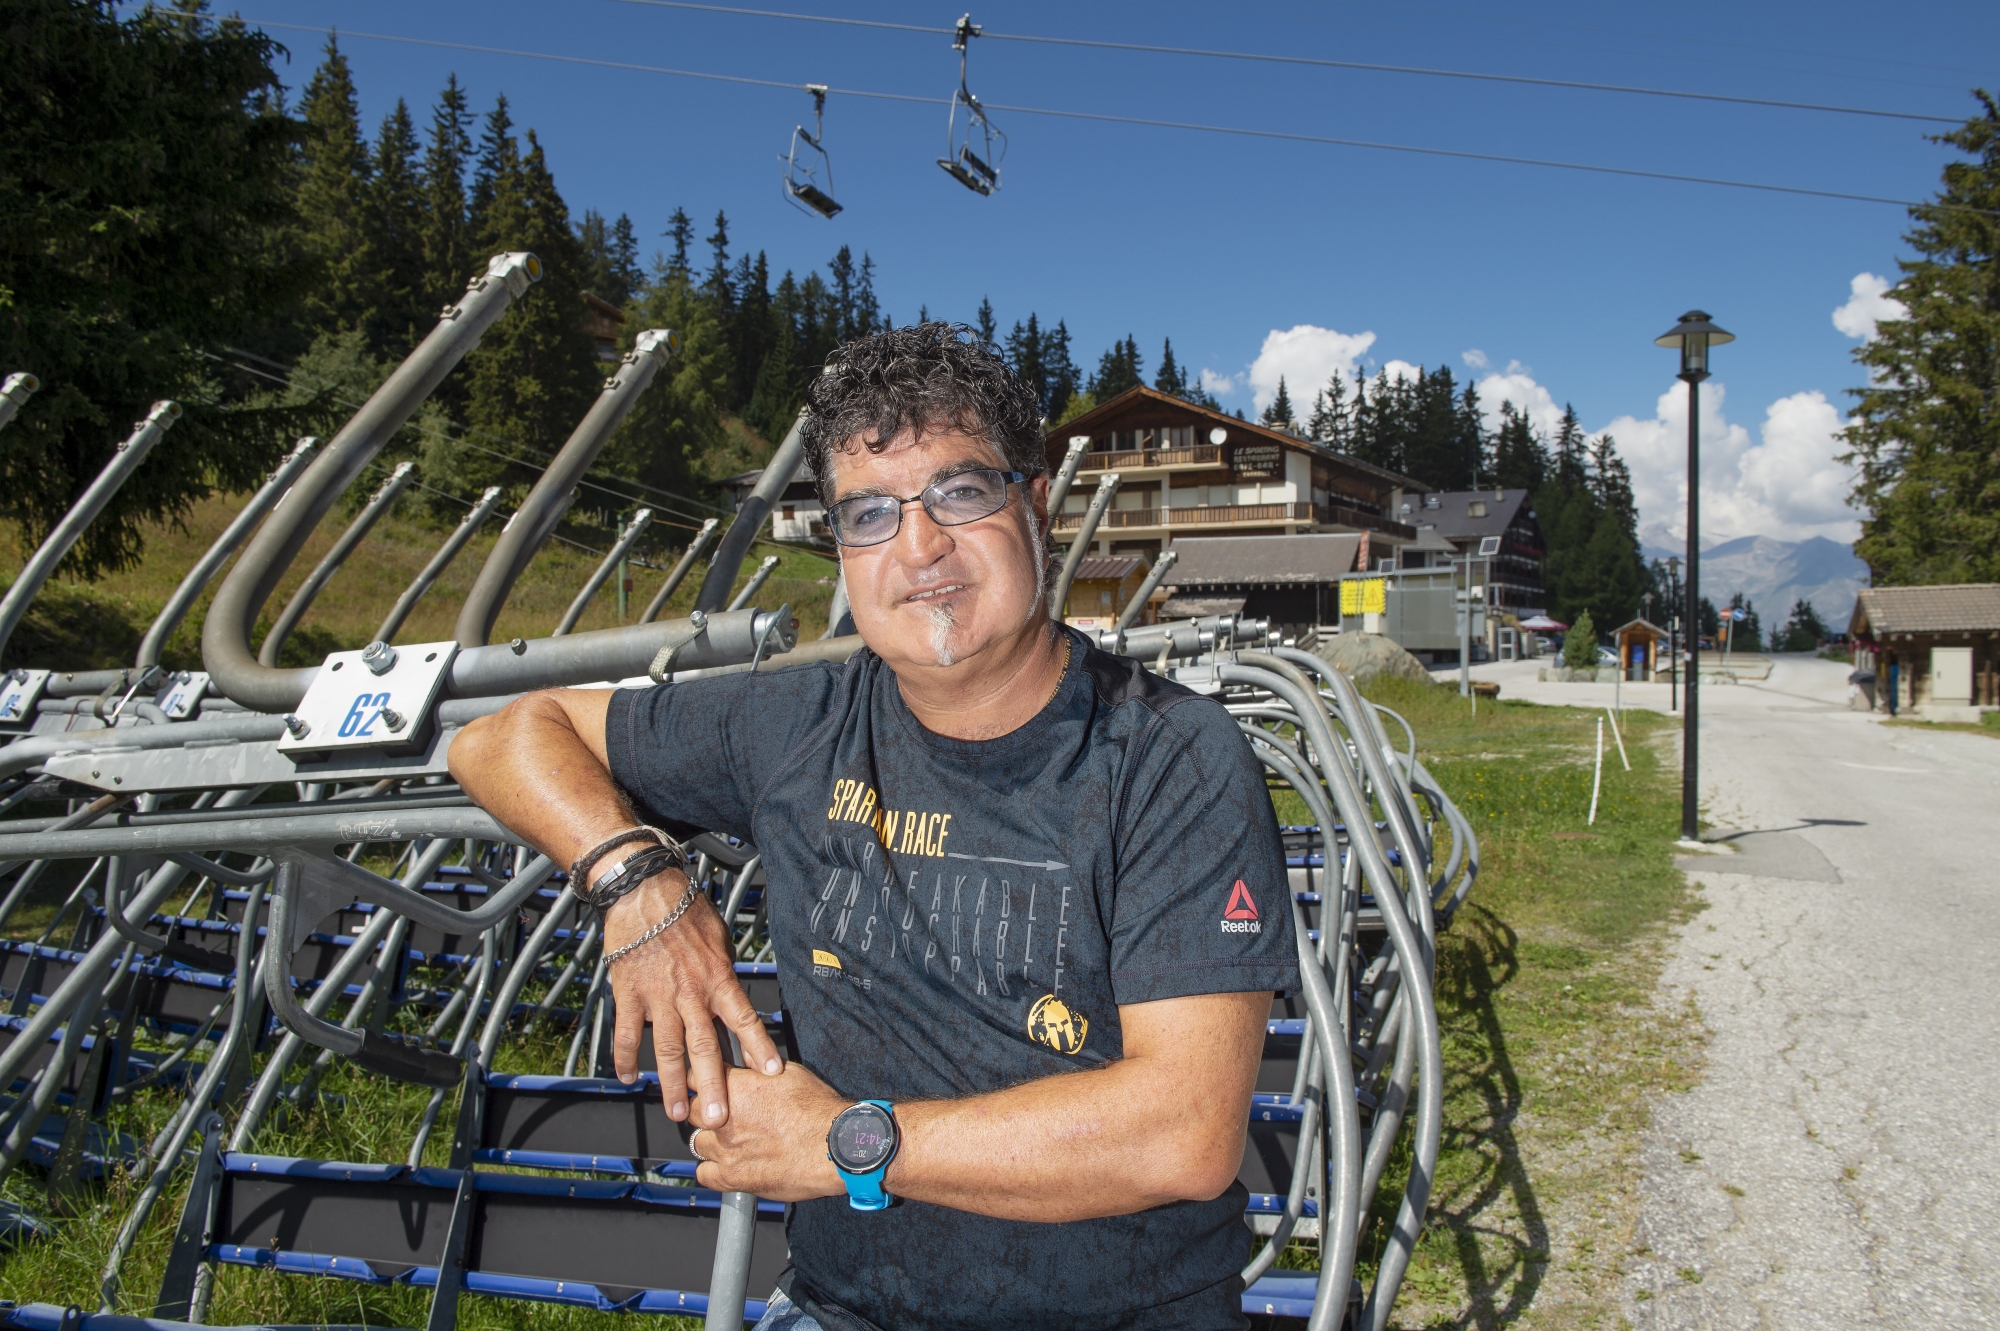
[1240,915]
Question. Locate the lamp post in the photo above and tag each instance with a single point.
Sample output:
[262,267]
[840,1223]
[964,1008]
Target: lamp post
[1693,335]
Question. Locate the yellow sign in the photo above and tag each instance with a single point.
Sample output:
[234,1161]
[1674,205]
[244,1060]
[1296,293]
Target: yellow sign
[1363,596]
[1056,1024]
[825,959]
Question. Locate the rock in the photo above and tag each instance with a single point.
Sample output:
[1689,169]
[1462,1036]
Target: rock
[1365,656]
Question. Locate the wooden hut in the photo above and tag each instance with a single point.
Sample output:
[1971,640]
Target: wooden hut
[1641,645]
[1934,650]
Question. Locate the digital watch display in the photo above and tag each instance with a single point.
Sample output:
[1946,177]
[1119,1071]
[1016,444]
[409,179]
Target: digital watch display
[861,1143]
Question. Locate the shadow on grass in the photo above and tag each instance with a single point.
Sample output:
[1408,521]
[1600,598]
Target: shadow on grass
[1483,1101]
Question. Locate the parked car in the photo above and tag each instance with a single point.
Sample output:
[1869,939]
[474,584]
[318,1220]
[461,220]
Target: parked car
[1606,657]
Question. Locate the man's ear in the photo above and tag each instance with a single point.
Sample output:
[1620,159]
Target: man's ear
[1038,497]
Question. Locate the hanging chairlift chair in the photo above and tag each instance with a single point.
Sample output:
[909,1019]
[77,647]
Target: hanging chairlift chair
[977,171]
[803,170]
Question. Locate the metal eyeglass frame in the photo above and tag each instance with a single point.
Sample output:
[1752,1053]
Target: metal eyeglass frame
[927,498]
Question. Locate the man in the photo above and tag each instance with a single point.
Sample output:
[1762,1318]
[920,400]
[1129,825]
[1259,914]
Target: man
[998,864]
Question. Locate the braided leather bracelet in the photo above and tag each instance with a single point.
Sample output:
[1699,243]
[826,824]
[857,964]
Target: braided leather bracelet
[625,877]
[580,867]
[687,899]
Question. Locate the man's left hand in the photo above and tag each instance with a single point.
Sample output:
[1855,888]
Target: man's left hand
[774,1144]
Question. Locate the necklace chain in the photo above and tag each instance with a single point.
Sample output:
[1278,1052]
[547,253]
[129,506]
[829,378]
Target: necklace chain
[1069,645]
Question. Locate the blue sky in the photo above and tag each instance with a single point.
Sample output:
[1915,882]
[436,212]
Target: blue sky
[1259,256]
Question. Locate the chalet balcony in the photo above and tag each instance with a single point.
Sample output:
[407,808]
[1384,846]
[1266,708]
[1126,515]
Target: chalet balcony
[1153,461]
[1222,517]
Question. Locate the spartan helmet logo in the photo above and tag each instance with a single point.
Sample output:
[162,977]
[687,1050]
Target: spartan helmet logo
[1054,1023]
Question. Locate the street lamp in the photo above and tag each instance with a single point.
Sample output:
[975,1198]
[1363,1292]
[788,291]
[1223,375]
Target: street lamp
[1694,335]
[1673,632]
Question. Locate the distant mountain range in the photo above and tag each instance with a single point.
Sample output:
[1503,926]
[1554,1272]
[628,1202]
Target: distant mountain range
[1772,574]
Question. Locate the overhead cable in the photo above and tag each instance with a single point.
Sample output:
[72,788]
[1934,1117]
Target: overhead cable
[1309,61]
[1235,130]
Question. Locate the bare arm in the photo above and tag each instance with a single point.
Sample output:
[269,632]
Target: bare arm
[539,765]
[1164,1123]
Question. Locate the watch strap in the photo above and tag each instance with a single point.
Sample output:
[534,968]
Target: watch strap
[865,1191]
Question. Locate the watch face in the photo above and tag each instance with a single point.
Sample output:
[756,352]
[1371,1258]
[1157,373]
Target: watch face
[863,1137]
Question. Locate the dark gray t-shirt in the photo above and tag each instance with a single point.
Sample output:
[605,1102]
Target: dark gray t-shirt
[955,917]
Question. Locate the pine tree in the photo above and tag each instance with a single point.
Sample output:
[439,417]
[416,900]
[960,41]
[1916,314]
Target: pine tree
[626,275]
[867,311]
[1469,441]
[1024,357]
[333,184]
[674,437]
[680,230]
[1804,630]
[1520,461]
[717,286]
[1117,370]
[1279,413]
[1065,376]
[448,259]
[1330,423]
[536,370]
[988,328]
[403,309]
[1568,451]
[1170,378]
[499,153]
[146,217]
[1925,435]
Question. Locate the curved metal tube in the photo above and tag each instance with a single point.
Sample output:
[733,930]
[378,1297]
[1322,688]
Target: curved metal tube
[225,637]
[1107,486]
[518,976]
[1066,473]
[185,595]
[779,472]
[82,513]
[309,590]
[680,569]
[757,580]
[1137,605]
[622,547]
[468,526]
[533,522]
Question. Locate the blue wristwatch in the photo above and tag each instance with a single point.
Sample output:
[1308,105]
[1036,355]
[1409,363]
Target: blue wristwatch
[861,1143]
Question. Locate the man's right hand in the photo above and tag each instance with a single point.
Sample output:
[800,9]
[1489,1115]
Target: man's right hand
[539,765]
[681,982]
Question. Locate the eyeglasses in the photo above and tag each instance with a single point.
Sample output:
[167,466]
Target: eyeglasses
[963,497]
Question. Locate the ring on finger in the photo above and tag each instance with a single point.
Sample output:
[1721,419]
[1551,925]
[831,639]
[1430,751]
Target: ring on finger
[692,1148]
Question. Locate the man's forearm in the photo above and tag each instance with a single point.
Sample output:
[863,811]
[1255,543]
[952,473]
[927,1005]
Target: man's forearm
[1163,1123]
[531,766]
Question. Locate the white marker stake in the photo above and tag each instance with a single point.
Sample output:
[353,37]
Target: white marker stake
[1597,776]
[1621,742]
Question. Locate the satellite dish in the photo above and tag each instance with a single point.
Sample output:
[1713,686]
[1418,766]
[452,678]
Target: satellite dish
[1217,435]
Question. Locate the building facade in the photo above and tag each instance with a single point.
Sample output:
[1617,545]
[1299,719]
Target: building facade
[1188,470]
[1934,650]
[1465,519]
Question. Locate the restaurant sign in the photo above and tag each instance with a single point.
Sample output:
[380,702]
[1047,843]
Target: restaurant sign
[1258,461]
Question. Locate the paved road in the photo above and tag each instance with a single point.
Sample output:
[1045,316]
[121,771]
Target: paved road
[1840,1163]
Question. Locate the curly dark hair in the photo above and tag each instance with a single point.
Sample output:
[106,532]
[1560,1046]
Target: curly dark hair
[924,377]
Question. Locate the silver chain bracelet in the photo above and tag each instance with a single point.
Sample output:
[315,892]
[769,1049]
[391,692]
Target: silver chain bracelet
[687,899]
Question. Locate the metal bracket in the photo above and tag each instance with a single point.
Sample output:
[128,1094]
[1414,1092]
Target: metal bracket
[20,690]
[378,698]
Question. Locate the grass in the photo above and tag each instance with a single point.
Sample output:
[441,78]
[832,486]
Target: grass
[1989,724]
[76,625]
[1553,1041]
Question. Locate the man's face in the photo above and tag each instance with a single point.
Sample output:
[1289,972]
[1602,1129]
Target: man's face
[933,595]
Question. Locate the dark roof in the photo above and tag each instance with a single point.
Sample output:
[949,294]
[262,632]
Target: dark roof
[1453,514]
[1107,568]
[1428,539]
[1104,416]
[1968,607]
[1642,623]
[1222,561]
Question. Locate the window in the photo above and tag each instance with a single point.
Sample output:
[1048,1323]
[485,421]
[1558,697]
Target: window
[1477,508]
[790,513]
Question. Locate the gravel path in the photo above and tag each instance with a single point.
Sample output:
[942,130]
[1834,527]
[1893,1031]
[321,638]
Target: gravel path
[1840,1163]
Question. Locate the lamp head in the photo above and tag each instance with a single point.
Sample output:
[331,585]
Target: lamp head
[1694,335]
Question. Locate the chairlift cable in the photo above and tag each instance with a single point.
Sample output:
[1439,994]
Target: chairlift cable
[1156,124]
[1311,62]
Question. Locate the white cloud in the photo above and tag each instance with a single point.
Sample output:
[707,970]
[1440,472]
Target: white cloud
[1868,304]
[1402,369]
[1305,356]
[1518,387]
[1785,486]
[1218,384]
[1476,359]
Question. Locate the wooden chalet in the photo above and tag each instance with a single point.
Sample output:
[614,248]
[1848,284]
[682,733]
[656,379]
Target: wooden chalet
[1189,470]
[1934,650]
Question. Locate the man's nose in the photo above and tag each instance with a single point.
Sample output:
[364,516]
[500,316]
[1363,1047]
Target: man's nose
[919,540]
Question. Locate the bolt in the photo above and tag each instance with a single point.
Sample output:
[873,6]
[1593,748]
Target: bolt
[297,725]
[516,646]
[699,619]
[379,657]
[394,719]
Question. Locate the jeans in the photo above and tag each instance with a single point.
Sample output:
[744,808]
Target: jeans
[781,1314]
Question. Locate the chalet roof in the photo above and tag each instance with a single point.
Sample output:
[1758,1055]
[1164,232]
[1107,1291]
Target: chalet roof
[1453,514]
[1108,415]
[1222,561]
[1968,607]
[1642,623]
[1107,568]
[1428,539]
